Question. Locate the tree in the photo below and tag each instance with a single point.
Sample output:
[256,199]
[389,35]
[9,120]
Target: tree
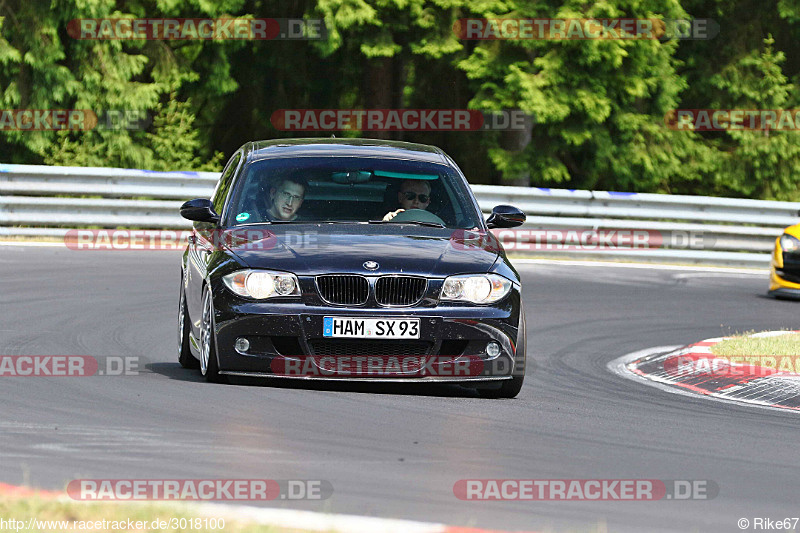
[599,104]
[43,67]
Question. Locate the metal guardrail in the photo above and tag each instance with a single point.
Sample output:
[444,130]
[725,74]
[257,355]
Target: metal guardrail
[45,201]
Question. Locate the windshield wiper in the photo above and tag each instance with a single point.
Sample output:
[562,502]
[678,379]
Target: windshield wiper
[417,222]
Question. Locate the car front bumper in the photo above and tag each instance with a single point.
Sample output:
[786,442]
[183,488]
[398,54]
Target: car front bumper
[784,276]
[286,341]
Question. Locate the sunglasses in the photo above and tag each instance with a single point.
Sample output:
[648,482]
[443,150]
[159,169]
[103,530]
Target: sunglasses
[423,198]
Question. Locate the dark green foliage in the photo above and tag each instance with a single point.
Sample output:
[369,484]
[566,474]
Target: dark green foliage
[599,105]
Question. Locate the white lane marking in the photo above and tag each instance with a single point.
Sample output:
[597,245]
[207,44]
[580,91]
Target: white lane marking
[34,243]
[690,275]
[773,333]
[657,266]
[619,365]
[313,521]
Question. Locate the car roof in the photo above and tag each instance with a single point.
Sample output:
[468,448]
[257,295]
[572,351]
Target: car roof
[329,147]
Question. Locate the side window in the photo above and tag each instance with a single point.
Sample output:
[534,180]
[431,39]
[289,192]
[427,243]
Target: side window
[224,184]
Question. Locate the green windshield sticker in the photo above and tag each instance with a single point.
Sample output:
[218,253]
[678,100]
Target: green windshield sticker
[405,175]
[241,217]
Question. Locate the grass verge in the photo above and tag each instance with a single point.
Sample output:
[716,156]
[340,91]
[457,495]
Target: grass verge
[787,344]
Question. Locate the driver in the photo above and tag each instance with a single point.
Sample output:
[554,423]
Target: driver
[414,194]
[285,198]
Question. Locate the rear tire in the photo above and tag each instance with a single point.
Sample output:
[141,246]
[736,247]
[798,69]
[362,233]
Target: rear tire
[185,357]
[511,387]
[208,352]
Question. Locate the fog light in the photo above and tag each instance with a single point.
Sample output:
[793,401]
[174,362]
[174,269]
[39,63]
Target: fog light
[242,344]
[492,349]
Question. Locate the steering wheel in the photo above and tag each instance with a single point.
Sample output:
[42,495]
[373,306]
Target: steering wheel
[417,215]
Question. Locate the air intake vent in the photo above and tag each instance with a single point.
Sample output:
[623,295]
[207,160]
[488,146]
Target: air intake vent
[345,347]
[343,290]
[400,290]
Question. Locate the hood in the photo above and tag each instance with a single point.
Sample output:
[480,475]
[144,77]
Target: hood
[794,231]
[312,249]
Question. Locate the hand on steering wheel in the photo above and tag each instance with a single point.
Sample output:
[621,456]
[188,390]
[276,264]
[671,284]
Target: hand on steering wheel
[391,214]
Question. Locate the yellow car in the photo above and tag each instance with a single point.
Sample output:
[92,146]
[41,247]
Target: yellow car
[784,276]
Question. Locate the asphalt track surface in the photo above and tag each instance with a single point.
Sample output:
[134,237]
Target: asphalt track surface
[396,451]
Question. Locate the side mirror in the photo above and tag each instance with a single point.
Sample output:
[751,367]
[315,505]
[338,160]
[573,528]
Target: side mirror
[505,216]
[199,210]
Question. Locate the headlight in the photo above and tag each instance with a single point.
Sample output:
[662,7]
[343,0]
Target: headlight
[261,284]
[789,244]
[475,288]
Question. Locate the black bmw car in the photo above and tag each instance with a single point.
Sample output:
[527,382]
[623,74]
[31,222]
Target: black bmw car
[350,260]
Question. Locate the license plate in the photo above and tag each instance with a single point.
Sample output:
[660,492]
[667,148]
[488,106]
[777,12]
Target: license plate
[370,328]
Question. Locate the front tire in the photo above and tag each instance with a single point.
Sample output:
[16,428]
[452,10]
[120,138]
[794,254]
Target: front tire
[208,352]
[185,357]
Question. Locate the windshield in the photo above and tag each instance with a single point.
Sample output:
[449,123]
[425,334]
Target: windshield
[350,189]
